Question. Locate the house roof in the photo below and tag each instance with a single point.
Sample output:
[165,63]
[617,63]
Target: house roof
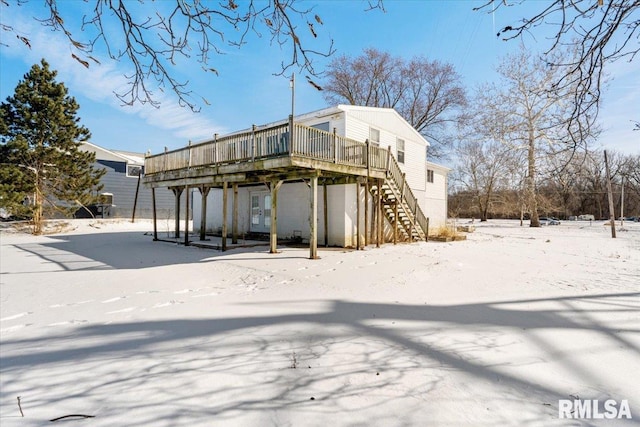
[335,110]
[439,167]
[114,155]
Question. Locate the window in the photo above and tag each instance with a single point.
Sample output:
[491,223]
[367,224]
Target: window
[134,170]
[374,137]
[319,143]
[430,175]
[400,150]
[322,126]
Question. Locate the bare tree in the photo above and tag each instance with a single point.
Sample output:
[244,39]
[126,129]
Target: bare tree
[600,32]
[524,115]
[153,38]
[428,94]
[483,172]
[565,173]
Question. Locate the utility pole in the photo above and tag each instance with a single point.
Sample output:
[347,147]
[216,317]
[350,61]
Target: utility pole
[622,204]
[612,214]
[292,85]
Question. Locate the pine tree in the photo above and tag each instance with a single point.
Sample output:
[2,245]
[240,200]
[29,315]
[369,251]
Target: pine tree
[40,137]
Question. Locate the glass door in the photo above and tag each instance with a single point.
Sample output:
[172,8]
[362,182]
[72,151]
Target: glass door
[260,212]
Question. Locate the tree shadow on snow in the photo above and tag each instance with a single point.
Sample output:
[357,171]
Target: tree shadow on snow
[361,339]
[118,250]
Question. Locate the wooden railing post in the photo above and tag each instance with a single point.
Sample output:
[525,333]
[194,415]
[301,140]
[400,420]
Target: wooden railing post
[335,147]
[404,181]
[290,134]
[166,156]
[189,158]
[215,149]
[388,159]
[253,142]
[366,149]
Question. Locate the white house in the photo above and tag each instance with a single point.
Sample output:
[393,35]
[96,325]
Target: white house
[120,185]
[367,160]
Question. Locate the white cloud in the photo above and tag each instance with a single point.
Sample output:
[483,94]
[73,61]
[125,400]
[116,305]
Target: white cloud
[101,81]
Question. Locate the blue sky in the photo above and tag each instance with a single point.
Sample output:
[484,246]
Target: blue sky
[247,92]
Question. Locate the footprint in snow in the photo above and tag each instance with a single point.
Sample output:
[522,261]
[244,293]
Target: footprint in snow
[14,328]
[16,316]
[71,322]
[107,301]
[124,310]
[167,304]
[71,304]
[212,294]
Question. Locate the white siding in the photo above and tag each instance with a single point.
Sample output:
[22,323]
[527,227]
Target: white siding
[293,211]
[436,196]
[391,128]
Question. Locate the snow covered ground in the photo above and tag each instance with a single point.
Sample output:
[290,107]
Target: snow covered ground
[494,330]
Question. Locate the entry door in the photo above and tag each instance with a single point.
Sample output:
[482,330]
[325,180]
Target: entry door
[260,212]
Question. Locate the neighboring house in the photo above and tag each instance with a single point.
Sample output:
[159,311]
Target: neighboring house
[358,155]
[120,184]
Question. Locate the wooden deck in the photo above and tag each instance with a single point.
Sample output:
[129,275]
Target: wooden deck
[264,155]
[271,156]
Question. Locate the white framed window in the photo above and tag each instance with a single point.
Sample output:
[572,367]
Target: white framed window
[374,137]
[400,150]
[430,175]
[134,170]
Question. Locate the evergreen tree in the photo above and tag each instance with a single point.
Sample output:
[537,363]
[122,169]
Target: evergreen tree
[40,137]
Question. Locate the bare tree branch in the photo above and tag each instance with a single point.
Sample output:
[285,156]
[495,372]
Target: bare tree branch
[600,34]
[427,94]
[183,29]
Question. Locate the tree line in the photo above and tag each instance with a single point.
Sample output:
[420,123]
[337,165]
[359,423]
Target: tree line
[569,185]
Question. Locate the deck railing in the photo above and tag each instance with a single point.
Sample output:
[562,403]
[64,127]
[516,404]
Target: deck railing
[271,142]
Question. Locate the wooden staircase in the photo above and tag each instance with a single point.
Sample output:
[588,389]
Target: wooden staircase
[400,206]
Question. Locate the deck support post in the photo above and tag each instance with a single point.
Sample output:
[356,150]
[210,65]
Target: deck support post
[313,219]
[395,222]
[155,216]
[204,192]
[273,232]
[380,214]
[358,215]
[374,209]
[366,212]
[234,218]
[225,185]
[177,192]
[366,191]
[325,215]
[186,216]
